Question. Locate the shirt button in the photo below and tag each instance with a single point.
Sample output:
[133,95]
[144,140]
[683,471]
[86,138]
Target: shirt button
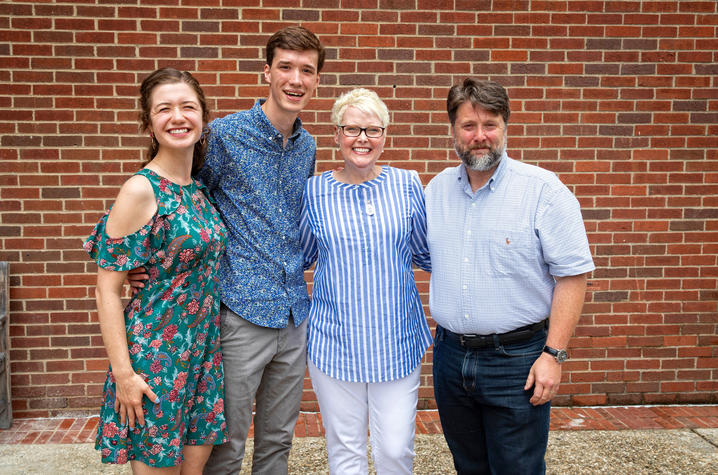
[468,233]
[466,316]
[466,259]
[465,287]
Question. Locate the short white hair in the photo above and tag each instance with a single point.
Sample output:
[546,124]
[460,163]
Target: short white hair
[363,99]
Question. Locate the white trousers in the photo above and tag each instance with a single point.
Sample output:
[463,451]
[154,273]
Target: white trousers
[387,410]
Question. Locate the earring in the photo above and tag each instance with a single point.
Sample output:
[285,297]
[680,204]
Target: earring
[203,137]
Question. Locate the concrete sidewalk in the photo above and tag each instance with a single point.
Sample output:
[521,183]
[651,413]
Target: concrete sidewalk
[627,439]
[685,451]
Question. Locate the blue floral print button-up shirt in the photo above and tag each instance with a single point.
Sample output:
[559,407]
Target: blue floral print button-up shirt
[257,183]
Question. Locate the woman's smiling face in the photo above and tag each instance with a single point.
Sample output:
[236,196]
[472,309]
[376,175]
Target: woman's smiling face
[175,115]
[360,152]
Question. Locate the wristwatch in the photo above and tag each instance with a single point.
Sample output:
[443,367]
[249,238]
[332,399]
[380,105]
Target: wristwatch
[560,355]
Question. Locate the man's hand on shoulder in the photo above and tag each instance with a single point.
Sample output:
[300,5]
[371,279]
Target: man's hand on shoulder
[545,377]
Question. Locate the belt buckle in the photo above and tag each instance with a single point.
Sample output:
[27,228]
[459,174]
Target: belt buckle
[468,335]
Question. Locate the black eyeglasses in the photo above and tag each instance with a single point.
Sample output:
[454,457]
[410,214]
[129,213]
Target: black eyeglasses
[372,132]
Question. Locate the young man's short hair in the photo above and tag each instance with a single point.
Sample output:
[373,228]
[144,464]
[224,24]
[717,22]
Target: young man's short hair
[295,38]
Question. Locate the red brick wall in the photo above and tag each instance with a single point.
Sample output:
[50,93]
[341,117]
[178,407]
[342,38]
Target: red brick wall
[620,98]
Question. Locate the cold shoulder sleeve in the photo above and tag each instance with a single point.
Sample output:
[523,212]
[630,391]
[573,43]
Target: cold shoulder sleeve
[127,252]
[136,249]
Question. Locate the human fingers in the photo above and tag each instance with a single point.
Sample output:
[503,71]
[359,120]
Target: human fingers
[537,395]
[139,415]
[137,270]
[151,395]
[122,412]
[529,380]
[130,417]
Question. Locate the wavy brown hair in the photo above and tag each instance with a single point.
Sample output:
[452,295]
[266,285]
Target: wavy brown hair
[295,38]
[488,95]
[171,76]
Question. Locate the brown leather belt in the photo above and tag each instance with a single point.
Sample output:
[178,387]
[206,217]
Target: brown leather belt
[482,341]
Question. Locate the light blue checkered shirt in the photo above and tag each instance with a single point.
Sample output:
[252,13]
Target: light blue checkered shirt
[494,252]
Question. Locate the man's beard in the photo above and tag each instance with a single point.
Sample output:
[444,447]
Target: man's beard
[479,163]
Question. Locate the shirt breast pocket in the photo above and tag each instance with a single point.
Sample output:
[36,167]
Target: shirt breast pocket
[511,251]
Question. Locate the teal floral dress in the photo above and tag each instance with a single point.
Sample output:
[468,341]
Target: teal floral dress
[172,327]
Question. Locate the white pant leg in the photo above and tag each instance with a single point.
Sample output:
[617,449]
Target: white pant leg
[392,422]
[343,406]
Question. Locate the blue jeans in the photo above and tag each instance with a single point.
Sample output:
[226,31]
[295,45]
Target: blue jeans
[487,419]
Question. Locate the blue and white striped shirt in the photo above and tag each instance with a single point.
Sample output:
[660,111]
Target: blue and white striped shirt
[366,322]
[494,252]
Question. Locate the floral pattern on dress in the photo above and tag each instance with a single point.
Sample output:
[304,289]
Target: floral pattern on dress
[172,327]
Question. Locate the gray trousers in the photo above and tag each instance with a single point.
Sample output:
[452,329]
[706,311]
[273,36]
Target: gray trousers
[266,364]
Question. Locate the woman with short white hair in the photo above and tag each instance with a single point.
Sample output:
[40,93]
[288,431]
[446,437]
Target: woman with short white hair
[364,225]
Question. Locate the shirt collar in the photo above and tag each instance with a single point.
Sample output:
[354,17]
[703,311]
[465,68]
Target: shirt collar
[266,125]
[498,175]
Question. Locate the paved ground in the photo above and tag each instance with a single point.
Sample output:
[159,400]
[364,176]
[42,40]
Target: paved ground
[641,440]
[686,451]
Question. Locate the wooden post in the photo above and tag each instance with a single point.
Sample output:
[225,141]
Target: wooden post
[5,401]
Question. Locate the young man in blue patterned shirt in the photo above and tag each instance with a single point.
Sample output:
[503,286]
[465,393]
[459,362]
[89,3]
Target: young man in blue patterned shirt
[258,162]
